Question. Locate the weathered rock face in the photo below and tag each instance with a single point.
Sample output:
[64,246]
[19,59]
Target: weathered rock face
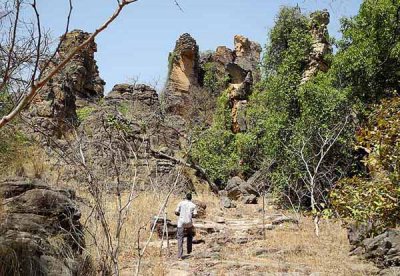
[54,108]
[239,91]
[321,47]
[183,73]
[383,249]
[130,127]
[247,54]
[233,69]
[40,232]
[237,188]
[242,67]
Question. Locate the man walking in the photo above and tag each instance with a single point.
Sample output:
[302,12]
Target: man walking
[186,210]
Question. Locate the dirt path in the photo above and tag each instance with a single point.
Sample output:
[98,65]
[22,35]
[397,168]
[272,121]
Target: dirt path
[233,244]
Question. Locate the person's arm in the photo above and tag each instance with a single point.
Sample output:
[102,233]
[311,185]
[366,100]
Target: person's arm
[178,210]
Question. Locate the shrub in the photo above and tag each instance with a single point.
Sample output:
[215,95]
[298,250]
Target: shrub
[374,197]
[84,112]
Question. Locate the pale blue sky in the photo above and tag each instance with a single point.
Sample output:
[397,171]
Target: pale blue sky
[138,43]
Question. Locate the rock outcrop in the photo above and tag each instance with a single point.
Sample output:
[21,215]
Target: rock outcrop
[238,188]
[183,73]
[40,232]
[232,69]
[321,47]
[248,54]
[130,127]
[383,250]
[77,84]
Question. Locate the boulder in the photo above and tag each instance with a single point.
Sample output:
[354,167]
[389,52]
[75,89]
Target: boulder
[383,250]
[237,188]
[39,226]
[201,208]
[233,187]
[227,203]
[249,199]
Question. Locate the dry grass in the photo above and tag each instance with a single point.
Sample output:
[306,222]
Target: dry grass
[292,248]
[296,248]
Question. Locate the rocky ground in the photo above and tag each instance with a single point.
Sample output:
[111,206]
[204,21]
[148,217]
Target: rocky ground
[231,242]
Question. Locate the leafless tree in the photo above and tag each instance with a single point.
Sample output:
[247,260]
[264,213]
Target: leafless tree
[24,47]
[318,174]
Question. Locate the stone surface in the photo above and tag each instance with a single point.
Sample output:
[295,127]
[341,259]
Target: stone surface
[247,54]
[183,74]
[39,226]
[383,249]
[249,199]
[78,83]
[237,187]
[233,187]
[227,203]
[321,47]
[130,120]
[284,219]
[201,209]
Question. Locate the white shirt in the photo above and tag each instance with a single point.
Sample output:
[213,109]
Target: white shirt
[186,210]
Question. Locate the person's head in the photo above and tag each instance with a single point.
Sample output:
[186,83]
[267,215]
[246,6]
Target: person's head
[189,196]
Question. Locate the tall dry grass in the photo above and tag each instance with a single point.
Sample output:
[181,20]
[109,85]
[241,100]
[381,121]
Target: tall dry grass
[135,231]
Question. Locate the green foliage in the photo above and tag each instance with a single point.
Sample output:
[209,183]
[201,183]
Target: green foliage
[289,40]
[215,152]
[362,200]
[368,60]
[214,80]
[381,138]
[220,152]
[375,197]
[123,108]
[5,103]
[84,112]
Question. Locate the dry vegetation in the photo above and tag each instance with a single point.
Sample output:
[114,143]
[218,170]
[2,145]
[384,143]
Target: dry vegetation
[289,248]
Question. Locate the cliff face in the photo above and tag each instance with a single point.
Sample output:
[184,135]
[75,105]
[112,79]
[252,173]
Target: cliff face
[130,120]
[79,83]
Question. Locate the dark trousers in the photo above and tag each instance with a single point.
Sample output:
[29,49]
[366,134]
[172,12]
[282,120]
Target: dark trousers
[180,235]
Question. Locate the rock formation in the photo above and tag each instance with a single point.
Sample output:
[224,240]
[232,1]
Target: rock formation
[233,69]
[383,249]
[321,47]
[241,65]
[183,73]
[248,54]
[130,127]
[77,84]
[40,232]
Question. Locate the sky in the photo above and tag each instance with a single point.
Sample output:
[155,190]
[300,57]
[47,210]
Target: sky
[137,44]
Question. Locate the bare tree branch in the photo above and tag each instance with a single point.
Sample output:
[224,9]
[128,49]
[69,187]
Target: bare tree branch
[37,85]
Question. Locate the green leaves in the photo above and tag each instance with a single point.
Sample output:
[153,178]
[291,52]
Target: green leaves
[368,56]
